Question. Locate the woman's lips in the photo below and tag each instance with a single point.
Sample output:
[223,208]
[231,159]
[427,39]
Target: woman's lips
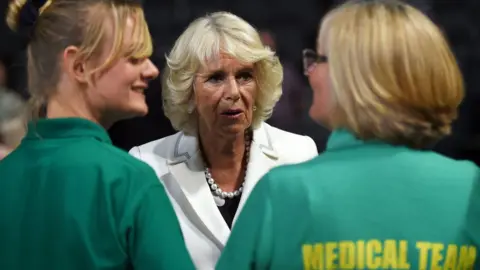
[234,113]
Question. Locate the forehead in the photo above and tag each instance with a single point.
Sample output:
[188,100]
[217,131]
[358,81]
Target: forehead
[129,27]
[224,62]
[128,30]
[130,39]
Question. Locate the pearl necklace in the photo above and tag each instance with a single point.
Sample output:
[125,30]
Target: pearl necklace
[216,190]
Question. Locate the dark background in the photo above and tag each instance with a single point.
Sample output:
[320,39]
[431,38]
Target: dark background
[294,25]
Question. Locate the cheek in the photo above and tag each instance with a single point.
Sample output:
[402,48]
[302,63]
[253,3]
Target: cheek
[320,84]
[207,100]
[207,96]
[249,94]
[319,78]
[117,81]
[112,90]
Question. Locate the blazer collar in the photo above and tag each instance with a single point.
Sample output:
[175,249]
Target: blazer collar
[186,166]
[186,146]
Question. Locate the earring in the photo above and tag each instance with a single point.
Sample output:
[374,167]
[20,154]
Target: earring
[191,107]
[254,108]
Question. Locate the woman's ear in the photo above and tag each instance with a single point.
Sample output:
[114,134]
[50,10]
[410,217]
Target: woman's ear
[192,102]
[74,65]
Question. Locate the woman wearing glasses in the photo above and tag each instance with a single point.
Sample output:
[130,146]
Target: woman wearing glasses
[385,81]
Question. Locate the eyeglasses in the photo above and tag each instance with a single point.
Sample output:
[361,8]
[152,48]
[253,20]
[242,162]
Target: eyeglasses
[310,59]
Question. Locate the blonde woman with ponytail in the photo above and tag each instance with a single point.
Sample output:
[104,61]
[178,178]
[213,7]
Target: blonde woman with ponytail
[68,198]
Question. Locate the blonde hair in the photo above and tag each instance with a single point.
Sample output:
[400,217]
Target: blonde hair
[393,75]
[63,23]
[204,40]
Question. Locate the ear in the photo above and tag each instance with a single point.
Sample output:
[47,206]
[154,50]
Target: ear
[74,65]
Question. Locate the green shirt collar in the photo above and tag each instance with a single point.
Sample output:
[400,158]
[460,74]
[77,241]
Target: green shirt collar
[63,128]
[342,138]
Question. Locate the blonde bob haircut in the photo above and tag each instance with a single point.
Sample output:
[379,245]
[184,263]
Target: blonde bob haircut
[63,23]
[393,76]
[204,40]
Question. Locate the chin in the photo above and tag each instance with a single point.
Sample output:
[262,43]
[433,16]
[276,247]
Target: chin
[140,112]
[134,111]
[321,120]
[316,118]
[139,107]
[233,130]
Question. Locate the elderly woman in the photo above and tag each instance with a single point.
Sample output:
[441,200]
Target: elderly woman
[385,81]
[12,121]
[220,85]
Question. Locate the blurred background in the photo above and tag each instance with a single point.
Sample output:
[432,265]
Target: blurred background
[288,27]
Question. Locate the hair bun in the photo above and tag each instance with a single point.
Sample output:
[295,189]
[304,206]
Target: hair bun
[22,14]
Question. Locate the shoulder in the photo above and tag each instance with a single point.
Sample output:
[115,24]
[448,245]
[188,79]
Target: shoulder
[279,135]
[421,163]
[91,167]
[97,156]
[158,152]
[292,173]
[162,148]
[287,189]
[290,144]
[291,180]
[442,165]
[331,167]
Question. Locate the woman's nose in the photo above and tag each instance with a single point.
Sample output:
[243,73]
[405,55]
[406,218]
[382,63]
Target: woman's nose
[151,71]
[233,91]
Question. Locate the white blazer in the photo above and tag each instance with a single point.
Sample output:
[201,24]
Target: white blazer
[179,165]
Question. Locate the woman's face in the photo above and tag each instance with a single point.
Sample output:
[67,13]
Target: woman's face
[318,77]
[224,95]
[119,90]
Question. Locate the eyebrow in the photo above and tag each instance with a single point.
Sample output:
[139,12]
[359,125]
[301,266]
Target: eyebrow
[245,69]
[221,71]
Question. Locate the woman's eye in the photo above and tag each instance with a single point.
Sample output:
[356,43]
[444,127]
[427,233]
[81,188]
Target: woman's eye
[245,76]
[215,78]
[135,60]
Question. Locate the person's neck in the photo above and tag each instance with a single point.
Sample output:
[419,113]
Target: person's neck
[58,107]
[222,152]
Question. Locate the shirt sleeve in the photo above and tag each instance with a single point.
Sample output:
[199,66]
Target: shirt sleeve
[312,150]
[250,243]
[155,240]
[473,217]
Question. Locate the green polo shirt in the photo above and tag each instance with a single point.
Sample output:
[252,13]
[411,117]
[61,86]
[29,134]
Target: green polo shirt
[70,200]
[361,205]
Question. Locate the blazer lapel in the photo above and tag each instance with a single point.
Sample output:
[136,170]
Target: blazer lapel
[187,184]
[197,201]
[263,157]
